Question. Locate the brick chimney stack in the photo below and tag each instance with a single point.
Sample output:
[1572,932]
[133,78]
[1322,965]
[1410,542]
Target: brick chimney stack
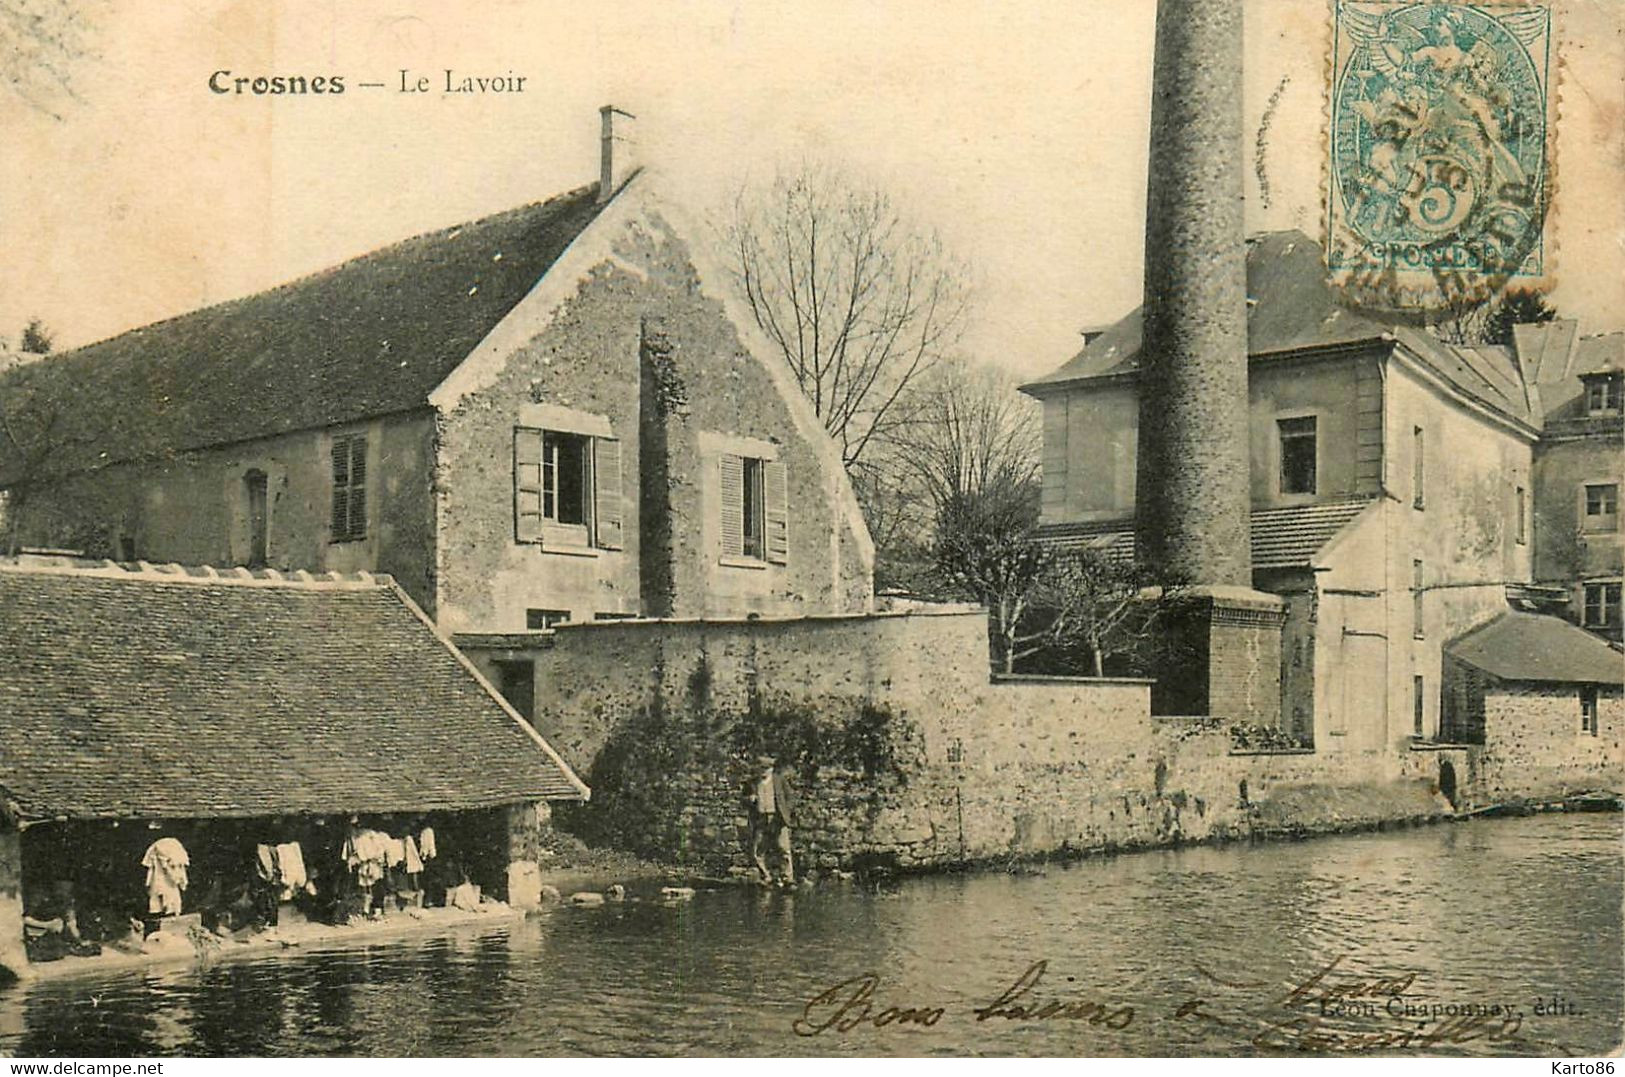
[1193,502]
[617,151]
[1191,484]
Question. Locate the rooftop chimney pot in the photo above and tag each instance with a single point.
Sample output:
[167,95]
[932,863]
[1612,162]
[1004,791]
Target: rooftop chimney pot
[617,157]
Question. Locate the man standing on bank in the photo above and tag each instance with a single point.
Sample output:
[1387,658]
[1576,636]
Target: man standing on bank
[771,805]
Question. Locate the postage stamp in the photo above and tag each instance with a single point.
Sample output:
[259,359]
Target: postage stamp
[1438,160]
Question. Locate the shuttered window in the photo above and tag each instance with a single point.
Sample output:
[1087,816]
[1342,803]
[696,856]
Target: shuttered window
[607,514]
[349,522]
[527,485]
[755,509]
[733,505]
[567,489]
[776,511]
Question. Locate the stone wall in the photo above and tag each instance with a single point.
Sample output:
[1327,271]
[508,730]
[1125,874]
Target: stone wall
[1535,749]
[903,751]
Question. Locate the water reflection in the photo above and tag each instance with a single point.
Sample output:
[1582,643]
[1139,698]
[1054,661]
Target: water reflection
[1503,911]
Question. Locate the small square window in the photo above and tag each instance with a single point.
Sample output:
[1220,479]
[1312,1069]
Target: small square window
[1603,393]
[1602,506]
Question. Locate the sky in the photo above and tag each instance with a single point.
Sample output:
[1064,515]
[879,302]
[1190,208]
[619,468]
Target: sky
[1017,130]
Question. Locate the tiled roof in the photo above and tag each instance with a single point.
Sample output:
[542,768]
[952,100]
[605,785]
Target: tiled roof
[141,694]
[373,336]
[1554,360]
[1534,647]
[1287,537]
[1292,308]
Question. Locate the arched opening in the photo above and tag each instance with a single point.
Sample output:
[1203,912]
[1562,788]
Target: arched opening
[1447,781]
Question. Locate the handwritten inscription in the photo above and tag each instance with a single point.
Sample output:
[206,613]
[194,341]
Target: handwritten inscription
[1331,1010]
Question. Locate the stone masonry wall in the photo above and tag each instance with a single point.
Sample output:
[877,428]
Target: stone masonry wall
[1534,747]
[903,752]
[637,312]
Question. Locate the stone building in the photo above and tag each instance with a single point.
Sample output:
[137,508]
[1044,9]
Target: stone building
[1395,485]
[1543,699]
[552,413]
[228,710]
[1580,382]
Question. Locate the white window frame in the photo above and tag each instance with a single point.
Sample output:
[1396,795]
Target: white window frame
[1585,603]
[1607,523]
[1612,386]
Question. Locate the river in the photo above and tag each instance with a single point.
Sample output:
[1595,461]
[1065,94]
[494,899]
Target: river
[1451,939]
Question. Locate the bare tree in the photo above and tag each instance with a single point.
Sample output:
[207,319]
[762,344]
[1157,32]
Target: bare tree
[985,551]
[1107,606]
[41,42]
[859,301]
[963,430]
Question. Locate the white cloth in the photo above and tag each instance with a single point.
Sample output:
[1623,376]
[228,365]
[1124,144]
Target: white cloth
[166,862]
[414,862]
[395,851]
[290,862]
[426,844]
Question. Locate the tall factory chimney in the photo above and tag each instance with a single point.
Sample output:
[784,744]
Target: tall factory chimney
[1191,486]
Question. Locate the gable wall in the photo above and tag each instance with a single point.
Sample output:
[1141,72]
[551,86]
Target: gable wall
[576,343]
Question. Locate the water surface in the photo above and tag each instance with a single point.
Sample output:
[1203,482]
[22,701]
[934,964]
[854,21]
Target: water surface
[1204,948]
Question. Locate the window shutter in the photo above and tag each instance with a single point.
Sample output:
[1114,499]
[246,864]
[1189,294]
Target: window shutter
[776,511]
[527,455]
[733,506]
[606,492]
[358,488]
[340,523]
[527,485]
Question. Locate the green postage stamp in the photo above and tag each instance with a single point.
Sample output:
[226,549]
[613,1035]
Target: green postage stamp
[1439,166]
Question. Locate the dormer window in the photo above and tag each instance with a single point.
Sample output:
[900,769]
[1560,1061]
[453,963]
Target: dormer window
[1604,393]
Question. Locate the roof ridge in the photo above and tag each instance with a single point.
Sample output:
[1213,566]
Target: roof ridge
[315,274]
[175,572]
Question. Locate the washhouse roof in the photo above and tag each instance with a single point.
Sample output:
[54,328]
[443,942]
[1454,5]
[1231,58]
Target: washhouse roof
[185,694]
[1517,646]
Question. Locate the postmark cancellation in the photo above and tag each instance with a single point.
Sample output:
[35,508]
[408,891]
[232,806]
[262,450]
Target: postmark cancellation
[1438,160]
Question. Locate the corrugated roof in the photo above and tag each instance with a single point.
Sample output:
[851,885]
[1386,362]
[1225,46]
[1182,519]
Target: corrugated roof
[373,336]
[1288,537]
[1519,646]
[139,695]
